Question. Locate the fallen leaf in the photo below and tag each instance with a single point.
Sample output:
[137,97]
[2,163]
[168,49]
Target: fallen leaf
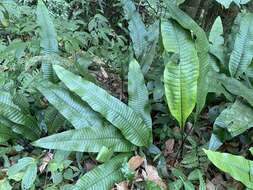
[169,146]
[46,159]
[122,186]
[135,162]
[210,185]
[152,175]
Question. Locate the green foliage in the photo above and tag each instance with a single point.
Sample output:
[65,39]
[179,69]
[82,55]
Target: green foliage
[90,80]
[120,115]
[138,98]
[236,166]
[241,55]
[48,36]
[71,107]
[104,176]
[181,71]
[226,3]
[87,139]
[202,47]
[232,122]
[27,168]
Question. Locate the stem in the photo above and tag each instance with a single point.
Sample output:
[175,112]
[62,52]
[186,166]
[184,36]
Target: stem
[180,150]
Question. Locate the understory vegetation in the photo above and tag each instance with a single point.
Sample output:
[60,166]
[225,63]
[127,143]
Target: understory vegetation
[126,94]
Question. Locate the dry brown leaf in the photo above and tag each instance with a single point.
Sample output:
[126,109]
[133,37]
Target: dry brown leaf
[135,162]
[210,185]
[169,147]
[46,159]
[152,175]
[122,186]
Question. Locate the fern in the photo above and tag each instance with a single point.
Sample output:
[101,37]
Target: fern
[181,73]
[202,47]
[241,55]
[87,139]
[120,115]
[71,107]
[10,113]
[48,36]
[138,93]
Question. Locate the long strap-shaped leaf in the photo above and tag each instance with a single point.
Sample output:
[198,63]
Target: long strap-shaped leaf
[22,123]
[48,39]
[137,29]
[77,112]
[138,94]
[87,139]
[104,176]
[237,166]
[119,114]
[48,36]
[180,76]
[242,55]
[202,46]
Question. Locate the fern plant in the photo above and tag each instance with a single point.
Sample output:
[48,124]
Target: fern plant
[130,125]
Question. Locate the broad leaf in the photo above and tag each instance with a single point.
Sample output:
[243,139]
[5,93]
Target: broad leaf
[48,39]
[241,56]
[5,185]
[104,176]
[88,139]
[6,133]
[235,87]
[119,114]
[77,112]
[12,116]
[202,46]
[217,40]
[29,176]
[48,36]
[136,27]
[138,94]
[232,122]
[237,166]
[29,167]
[181,73]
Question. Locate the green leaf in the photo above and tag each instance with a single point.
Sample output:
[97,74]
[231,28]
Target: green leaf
[180,76]
[48,36]
[241,55]
[87,139]
[232,122]
[237,166]
[119,114]
[226,3]
[138,98]
[77,112]
[217,40]
[202,47]
[251,150]
[29,176]
[21,165]
[6,133]
[5,185]
[13,117]
[104,176]
[136,27]
[235,87]
[150,185]
[104,154]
